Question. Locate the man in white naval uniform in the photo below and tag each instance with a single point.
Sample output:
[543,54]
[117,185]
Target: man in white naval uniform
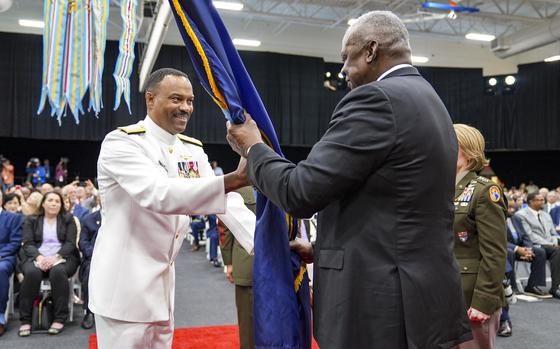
[150,178]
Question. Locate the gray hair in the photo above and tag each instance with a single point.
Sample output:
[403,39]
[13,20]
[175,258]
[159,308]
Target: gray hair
[382,26]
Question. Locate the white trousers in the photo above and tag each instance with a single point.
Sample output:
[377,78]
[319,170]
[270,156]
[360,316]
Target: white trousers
[117,334]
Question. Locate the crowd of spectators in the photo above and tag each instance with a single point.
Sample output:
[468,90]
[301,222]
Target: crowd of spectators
[533,227]
[49,215]
[50,234]
[58,224]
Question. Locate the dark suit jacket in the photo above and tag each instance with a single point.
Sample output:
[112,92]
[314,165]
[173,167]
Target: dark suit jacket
[80,211]
[90,226]
[555,215]
[382,178]
[10,236]
[66,232]
[522,237]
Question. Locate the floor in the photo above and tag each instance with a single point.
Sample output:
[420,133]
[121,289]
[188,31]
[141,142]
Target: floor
[204,297]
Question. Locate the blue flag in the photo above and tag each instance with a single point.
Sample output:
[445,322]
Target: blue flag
[280,285]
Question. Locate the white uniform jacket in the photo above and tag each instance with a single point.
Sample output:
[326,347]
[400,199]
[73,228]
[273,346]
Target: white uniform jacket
[149,181]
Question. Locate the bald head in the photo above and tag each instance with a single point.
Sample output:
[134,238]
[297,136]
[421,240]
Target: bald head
[373,44]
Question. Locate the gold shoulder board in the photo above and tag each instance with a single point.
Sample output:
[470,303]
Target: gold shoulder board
[134,129]
[189,140]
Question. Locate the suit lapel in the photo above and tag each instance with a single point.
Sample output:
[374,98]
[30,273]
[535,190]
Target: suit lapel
[2,224]
[39,230]
[59,224]
[534,221]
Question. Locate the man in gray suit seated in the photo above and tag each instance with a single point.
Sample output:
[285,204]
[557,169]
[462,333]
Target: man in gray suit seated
[538,225]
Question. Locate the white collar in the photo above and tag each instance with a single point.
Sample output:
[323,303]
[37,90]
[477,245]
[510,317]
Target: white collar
[535,212]
[158,132]
[396,67]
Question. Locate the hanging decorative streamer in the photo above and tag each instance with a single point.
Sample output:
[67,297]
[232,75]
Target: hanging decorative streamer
[77,74]
[99,23]
[74,40]
[54,39]
[125,61]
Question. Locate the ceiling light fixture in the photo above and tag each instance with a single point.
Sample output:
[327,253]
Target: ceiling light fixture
[492,81]
[226,5]
[246,42]
[480,37]
[31,23]
[420,59]
[510,80]
[552,58]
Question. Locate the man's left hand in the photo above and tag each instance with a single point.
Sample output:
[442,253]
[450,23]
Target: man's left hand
[242,136]
[477,316]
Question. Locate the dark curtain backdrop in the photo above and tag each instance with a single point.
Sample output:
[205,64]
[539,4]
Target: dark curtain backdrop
[521,129]
[291,88]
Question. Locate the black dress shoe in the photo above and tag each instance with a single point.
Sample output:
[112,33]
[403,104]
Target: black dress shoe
[556,293]
[88,321]
[537,291]
[505,329]
[216,263]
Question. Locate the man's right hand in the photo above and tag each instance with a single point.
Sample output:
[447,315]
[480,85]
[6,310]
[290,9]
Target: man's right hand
[303,249]
[238,178]
[229,273]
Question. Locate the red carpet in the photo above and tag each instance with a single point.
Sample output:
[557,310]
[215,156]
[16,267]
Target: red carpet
[214,337]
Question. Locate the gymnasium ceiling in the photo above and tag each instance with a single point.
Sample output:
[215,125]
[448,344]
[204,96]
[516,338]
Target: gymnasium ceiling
[315,27]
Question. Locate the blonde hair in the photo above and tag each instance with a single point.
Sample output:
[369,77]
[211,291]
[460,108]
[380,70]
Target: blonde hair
[471,143]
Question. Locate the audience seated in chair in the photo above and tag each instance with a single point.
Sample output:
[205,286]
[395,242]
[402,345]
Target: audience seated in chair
[197,229]
[90,227]
[551,201]
[12,203]
[72,194]
[520,248]
[10,240]
[212,236]
[537,224]
[555,215]
[49,251]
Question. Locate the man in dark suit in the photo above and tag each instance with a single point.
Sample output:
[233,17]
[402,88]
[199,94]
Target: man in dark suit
[10,240]
[90,226]
[382,178]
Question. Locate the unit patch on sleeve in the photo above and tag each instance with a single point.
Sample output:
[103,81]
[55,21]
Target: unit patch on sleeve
[494,193]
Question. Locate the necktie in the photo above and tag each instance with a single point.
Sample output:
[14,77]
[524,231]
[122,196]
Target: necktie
[539,218]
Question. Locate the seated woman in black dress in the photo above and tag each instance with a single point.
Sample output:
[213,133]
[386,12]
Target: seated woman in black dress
[49,251]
